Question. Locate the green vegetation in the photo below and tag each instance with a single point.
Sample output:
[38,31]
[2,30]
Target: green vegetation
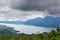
[53,35]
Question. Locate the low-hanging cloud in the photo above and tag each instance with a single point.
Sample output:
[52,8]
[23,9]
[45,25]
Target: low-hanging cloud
[28,9]
[9,13]
[53,6]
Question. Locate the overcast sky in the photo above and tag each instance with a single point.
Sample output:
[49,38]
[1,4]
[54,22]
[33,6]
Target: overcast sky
[28,9]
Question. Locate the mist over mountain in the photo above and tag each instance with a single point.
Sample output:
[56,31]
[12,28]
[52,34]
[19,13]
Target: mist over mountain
[44,22]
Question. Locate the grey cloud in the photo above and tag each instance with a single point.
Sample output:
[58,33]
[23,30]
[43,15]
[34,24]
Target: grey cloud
[7,13]
[53,6]
[34,4]
[5,2]
[27,9]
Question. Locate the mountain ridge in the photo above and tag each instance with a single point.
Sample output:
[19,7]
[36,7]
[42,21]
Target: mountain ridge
[45,22]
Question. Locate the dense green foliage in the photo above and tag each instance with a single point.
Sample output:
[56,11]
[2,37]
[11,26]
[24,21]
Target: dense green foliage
[53,35]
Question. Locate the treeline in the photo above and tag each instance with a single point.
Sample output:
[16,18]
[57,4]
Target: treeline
[53,35]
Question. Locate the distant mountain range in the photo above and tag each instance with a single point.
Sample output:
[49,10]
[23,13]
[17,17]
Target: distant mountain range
[44,22]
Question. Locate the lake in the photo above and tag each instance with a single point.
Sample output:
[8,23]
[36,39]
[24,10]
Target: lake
[28,29]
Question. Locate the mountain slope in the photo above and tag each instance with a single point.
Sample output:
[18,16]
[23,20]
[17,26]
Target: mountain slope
[44,22]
